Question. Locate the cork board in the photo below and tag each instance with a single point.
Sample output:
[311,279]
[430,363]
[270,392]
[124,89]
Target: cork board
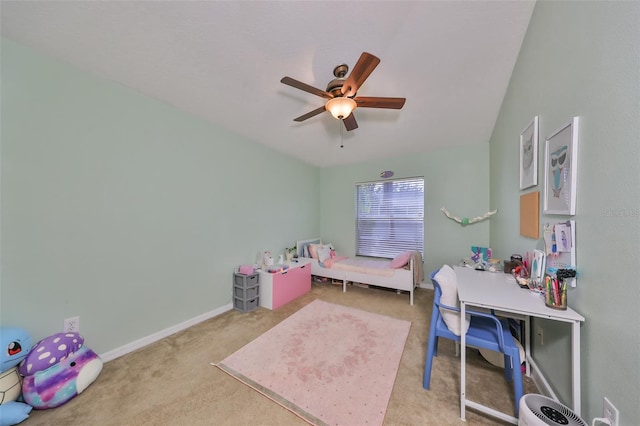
[529,215]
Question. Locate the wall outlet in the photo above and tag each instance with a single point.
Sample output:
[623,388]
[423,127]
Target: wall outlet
[610,412]
[540,334]
[72,325]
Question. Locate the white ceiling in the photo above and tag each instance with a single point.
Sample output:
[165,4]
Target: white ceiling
[223,61]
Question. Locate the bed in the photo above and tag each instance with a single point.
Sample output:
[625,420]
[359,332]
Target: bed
[404,273]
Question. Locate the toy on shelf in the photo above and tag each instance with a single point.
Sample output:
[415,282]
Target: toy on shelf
[267,259]
[16,344]
[57,369]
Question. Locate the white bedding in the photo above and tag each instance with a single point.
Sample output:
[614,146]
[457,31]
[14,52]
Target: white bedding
[365,266]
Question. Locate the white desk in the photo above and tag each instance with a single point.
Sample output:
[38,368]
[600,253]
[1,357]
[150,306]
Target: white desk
[497,291]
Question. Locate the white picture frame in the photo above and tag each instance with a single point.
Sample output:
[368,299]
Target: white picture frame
[538,266]
[561,169]
[529,155]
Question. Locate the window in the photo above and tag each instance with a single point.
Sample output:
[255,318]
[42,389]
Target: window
[389,217]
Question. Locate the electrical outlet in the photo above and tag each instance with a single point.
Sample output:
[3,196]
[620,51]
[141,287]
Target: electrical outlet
[610,412]
[541,335]
[72,325]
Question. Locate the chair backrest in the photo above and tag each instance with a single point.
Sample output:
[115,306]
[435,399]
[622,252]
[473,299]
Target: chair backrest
[445,298]
[437,295]
[437,292]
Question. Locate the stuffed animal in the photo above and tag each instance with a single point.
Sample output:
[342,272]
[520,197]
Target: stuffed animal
[57,369]
[15,344]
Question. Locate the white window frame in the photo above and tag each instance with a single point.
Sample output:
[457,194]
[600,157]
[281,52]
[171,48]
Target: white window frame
[389,217]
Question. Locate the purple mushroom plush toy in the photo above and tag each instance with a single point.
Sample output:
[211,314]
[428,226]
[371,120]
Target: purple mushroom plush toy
[57,369]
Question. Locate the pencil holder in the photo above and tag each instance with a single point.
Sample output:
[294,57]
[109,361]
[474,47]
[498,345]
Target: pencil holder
[556,294]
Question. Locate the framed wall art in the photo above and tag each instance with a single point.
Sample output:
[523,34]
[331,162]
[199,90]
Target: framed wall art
[561,170]
[529,155]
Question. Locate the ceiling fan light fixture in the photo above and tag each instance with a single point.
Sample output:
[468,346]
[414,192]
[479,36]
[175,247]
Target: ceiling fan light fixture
[341,107]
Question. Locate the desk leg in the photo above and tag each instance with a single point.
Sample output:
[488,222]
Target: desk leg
[463,361]
[575,353]
[527,343]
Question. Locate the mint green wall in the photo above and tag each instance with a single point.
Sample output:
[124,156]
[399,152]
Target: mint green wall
[125,211]
[453,179]
[583,59]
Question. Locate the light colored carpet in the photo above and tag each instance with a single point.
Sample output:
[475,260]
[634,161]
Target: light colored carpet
[327,363]
[171,382]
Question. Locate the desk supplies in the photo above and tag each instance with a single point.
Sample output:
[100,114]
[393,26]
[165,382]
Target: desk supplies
[555,293]
[513,263]
[509,266]
[494,265]
[521,271]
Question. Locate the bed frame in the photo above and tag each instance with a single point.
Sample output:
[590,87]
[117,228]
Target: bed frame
[402,279]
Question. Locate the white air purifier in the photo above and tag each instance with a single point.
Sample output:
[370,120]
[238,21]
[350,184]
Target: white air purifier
[538,410]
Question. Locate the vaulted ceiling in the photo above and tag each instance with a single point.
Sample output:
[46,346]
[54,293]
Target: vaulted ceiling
[222,61]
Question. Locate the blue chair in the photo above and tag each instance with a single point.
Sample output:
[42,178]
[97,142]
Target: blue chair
[485,331]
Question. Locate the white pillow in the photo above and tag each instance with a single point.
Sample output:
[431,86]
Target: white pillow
[448,281]
[324,253]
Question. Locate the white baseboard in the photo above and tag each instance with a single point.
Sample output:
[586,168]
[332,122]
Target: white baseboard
[428,285]
[140,343]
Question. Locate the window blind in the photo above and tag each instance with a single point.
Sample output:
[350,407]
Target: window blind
[389,217]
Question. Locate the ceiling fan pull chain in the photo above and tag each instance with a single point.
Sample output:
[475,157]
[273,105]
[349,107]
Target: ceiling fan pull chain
[341,134]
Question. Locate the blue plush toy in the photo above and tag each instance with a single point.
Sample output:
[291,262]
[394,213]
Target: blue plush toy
[15,344]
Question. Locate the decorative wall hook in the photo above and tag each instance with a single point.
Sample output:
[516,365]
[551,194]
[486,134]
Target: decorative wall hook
[465,220]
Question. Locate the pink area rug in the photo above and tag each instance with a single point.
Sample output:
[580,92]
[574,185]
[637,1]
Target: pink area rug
[327,363]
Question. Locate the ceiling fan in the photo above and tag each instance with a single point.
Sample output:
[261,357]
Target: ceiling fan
[341,92]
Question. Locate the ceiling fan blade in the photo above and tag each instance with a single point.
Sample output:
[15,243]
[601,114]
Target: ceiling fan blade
[373,102]
[363,68]
[303,86]
[310,114]
[350,122]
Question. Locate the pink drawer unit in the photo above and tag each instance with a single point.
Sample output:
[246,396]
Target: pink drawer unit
[277,289]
